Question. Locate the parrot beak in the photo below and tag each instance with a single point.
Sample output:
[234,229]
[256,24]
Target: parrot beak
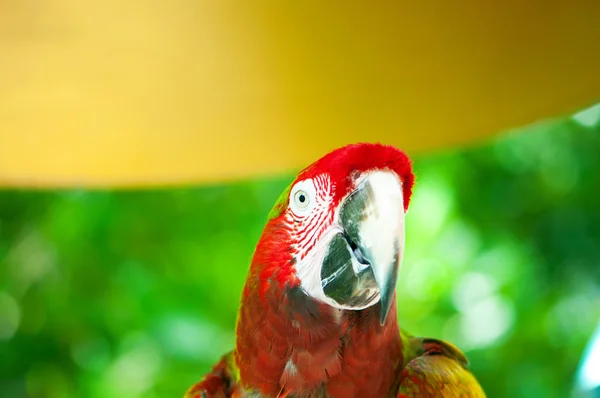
[372,217]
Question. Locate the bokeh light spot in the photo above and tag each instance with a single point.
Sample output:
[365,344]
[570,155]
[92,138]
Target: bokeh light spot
[10,315]
[487,321]
[588,376]
[471,289]
[193,338]
[134,371]
[430,205]
[588,117]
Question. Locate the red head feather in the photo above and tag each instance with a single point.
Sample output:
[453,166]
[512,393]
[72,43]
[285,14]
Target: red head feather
[344,164]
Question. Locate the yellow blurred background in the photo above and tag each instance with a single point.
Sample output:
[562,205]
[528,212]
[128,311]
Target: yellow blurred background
[147,92]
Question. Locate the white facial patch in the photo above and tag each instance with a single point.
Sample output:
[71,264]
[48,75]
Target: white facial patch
[380,228]
[308,269]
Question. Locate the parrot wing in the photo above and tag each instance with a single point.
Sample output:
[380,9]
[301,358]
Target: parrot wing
[217,384]
[435,368]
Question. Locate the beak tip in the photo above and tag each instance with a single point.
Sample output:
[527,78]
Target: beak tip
[383,318]
[387,290]
[386,306]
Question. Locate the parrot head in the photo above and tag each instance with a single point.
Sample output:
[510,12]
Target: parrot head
[337,232]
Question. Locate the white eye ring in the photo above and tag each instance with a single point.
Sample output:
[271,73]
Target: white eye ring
[301,199]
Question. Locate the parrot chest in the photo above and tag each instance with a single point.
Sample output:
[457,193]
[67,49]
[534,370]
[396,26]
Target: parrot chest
[295,347]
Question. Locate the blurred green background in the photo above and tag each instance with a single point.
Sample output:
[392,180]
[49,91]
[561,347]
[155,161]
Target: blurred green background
[135,293]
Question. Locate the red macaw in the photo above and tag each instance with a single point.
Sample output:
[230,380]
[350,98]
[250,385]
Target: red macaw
[318,310]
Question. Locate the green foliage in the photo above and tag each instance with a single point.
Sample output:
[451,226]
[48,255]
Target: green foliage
[125,294]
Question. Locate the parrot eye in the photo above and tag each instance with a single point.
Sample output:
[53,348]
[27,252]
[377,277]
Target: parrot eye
[302,197]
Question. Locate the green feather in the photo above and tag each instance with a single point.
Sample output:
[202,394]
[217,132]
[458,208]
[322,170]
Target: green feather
[281,203]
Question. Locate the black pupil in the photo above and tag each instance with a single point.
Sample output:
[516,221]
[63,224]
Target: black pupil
[302,198]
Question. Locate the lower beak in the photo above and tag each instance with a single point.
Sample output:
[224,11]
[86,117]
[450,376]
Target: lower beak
[372,217]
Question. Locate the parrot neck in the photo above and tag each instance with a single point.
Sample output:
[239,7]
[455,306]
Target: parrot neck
[289,343]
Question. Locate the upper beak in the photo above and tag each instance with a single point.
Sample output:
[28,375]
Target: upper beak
[373,219]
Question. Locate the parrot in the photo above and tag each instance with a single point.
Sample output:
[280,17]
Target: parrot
[318,312]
